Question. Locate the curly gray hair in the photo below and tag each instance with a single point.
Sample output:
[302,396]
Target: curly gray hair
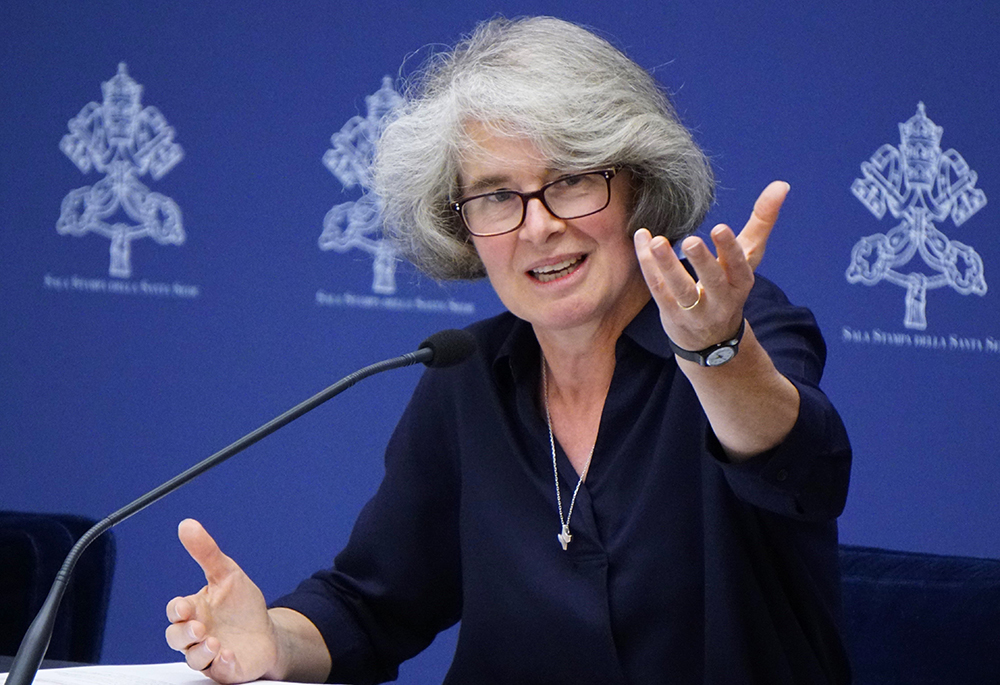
[581,102]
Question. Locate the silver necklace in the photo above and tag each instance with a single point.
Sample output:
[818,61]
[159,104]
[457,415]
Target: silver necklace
[564,535]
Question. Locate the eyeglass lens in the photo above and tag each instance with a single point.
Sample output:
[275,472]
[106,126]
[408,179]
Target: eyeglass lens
[567,198]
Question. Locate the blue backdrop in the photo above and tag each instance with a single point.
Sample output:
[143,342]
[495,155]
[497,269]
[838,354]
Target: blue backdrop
[186,253]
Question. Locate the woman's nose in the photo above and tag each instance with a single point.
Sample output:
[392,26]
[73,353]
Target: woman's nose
[539,223]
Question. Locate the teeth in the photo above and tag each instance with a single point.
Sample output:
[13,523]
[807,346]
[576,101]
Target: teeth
[554,271]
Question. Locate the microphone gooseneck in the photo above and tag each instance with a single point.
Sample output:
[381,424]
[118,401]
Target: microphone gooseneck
[445,348]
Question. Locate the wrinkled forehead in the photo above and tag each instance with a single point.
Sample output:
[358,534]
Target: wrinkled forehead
[498,149]
[491,149]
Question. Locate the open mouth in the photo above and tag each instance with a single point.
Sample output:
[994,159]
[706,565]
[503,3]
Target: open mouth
[552,272]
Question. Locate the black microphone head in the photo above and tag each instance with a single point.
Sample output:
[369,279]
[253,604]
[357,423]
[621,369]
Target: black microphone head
[449,347]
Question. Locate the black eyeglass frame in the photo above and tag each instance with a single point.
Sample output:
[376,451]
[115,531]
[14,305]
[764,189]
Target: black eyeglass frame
[608,174]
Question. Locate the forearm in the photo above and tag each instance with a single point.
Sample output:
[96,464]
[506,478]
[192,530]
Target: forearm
[750,405]
[302,655]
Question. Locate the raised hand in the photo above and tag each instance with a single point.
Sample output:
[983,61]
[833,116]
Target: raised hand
[697,314]
[224,630]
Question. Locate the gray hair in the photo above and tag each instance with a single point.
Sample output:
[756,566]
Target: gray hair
[582,103]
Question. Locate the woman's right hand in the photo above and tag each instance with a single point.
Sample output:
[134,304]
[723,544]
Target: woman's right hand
[224,630]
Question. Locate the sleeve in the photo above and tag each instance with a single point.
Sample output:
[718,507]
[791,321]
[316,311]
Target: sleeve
[397,583]
[806,476]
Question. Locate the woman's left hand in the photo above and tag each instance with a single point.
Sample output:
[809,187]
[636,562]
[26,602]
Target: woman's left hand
[698,314]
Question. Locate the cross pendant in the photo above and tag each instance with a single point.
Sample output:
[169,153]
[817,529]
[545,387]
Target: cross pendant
[564,537]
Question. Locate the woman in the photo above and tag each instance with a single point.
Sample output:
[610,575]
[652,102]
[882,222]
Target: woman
[636,478]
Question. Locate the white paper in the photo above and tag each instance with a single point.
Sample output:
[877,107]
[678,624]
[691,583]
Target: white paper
[145,674]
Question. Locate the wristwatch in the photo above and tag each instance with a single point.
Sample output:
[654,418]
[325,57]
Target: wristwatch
[713,355]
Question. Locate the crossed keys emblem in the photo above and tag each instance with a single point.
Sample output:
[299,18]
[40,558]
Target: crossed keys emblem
[919,185]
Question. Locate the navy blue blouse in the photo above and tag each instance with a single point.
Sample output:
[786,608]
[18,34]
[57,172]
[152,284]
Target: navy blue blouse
[683,568]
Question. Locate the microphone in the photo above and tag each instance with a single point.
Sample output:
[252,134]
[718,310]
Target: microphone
[444,348]
[447,348]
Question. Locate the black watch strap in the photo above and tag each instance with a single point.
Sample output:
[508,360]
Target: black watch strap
[713,355]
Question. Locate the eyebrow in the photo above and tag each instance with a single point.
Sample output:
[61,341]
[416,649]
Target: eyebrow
[487,183]
[484,184]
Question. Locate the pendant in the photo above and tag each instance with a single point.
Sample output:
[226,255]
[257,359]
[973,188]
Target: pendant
[564,537]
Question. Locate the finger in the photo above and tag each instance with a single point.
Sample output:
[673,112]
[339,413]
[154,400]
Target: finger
[203,549]
[647,262]
[706,268]
[200,656]
[182,636]
[179,609]
[224,668]
[753,237]
[668,280]
[732,260]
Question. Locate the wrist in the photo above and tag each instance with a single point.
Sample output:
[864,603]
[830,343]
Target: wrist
[280,662]
[300,653]
[713,355]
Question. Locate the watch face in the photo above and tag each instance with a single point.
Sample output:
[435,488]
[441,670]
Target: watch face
[720,356]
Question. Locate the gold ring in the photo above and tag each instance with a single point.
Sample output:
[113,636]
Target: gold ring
[696,302]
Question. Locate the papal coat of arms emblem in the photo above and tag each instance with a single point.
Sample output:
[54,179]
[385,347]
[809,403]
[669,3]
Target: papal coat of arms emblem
[919,185]
[358,224]
[123,140]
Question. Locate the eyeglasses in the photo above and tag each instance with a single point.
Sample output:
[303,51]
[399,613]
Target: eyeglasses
[569,197]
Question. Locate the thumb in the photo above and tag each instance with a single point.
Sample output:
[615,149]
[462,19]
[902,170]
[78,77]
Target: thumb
[753,237]
[204,550]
